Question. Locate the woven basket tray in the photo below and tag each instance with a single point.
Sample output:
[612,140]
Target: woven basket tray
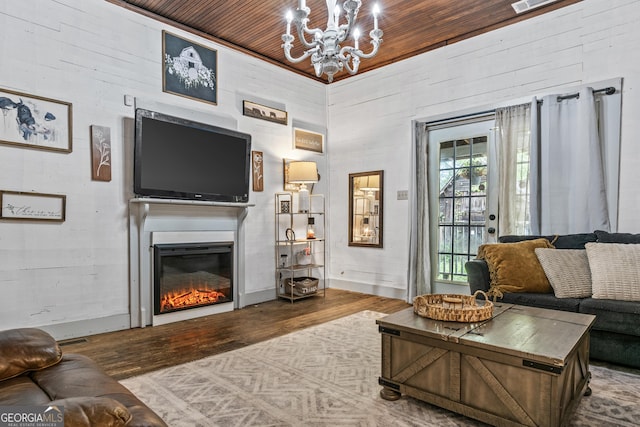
[452,307]
[301,285]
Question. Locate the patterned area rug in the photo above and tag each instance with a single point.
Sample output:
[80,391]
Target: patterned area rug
[327,375]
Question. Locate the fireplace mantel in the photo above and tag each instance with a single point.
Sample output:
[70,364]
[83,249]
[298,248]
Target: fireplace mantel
[149,200]
[148,216]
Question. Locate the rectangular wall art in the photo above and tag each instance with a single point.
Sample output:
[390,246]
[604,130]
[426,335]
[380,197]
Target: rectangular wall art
[100,153]
[257,111]
[35,122]
[189,69]
[307,140]
[32,206]
[258,172]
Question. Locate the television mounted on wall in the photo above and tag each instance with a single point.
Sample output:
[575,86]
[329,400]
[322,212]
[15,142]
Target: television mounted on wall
[177,158]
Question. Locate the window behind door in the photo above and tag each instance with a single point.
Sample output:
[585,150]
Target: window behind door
[462,201]
[461,196]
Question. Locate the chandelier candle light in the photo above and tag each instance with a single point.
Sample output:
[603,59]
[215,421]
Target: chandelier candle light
[324,49]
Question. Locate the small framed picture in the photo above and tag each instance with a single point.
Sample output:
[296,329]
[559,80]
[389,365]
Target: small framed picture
[257,111]
[307,140]
[100,153]
[32,206]
[258,174]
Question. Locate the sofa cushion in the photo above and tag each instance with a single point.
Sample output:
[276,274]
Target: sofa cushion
[565,241]
[93,411]
[21,390]
[514,267]
[567,270]
[542,300]
[606,237]
[622,317]
[77,375]
[26,349]
[615,270]
[615,348]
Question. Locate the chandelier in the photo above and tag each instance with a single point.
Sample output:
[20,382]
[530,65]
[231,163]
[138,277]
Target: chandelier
[324,48]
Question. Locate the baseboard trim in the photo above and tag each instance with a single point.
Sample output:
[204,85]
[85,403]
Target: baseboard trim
[258,297]
[82,328]
[119,322]
[367,288]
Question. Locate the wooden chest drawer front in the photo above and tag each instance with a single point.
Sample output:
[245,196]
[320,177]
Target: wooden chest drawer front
[485,385]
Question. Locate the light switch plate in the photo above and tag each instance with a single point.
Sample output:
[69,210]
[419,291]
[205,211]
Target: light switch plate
[403,194]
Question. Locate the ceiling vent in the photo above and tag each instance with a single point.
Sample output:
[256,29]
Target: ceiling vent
[526,5]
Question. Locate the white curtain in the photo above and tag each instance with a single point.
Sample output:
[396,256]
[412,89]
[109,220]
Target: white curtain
[419,276]
[571,183]
[513,126]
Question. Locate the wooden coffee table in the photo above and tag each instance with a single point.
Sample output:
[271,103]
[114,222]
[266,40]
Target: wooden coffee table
[526,366]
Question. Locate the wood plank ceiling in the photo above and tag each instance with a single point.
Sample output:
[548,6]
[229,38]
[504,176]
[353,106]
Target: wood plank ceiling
[410,27]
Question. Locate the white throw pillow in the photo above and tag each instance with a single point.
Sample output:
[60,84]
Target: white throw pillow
[615,270]
[567,270]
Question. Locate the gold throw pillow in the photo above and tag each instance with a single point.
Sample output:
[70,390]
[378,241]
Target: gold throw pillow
[514,267]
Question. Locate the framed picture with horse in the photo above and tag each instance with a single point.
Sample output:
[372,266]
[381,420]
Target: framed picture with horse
[31,121]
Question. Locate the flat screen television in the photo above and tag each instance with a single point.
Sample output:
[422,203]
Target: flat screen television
[181,159]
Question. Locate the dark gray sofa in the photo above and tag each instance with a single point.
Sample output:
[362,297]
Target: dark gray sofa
[615,336]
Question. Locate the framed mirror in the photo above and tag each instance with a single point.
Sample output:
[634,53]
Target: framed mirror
[365,209]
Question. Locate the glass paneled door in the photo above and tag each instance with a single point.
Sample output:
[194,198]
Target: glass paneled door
[463,208]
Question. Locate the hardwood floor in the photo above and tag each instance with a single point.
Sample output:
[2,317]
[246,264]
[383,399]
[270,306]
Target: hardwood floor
[132,352]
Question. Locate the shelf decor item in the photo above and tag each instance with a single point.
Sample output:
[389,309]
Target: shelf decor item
[311,232]
[301,285]
[453,308]
[304,257]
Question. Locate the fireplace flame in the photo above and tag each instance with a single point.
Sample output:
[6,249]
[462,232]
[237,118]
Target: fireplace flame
[189,298]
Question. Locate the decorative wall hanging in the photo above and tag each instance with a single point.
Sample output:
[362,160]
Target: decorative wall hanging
[189,69]
[258,173]
[307,140]
[32,206]
[257,111]
[100,153]
[35,122]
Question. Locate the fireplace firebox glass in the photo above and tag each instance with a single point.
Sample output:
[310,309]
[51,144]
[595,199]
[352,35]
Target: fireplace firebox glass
[192,275]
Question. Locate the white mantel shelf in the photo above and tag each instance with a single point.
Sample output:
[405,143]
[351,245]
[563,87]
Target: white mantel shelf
[149,200]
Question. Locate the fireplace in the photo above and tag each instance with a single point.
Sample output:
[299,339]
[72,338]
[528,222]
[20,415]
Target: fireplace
[191,275]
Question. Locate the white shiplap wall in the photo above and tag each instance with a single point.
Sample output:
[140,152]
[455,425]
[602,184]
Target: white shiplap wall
[370,115]
[72,278]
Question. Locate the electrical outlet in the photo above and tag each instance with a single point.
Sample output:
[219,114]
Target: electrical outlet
[403,194]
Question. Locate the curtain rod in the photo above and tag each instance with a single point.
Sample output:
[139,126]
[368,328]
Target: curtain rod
[607,91]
